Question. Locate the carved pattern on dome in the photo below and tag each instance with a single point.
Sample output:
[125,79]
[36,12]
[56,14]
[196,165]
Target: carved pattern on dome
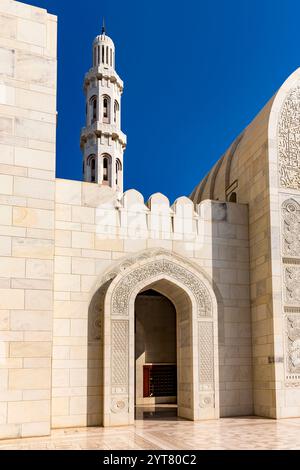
[206,355]
[289,141]
[123,290]
[292,284]
[293,344]
[291,228]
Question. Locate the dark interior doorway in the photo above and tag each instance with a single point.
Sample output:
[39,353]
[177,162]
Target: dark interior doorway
[155,356]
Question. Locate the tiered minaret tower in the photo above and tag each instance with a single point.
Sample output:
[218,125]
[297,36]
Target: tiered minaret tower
[102,141]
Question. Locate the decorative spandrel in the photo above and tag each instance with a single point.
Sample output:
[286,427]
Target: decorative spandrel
[122,292]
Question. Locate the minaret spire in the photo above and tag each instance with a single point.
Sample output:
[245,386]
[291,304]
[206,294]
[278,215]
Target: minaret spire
[103,26]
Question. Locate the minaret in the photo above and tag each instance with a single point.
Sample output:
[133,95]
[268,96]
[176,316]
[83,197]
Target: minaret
[102,141]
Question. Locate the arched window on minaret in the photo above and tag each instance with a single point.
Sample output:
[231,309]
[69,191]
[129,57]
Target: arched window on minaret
[118,171]
[106,109]
[106,169]
[91,163]
[102,55]
[116,112]
[93,107]
[93,170]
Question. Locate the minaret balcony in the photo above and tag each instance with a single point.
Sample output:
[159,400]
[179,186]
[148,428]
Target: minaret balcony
[98,129]
[103,72]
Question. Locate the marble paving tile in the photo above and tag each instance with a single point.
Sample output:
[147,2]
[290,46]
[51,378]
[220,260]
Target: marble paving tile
[227,433]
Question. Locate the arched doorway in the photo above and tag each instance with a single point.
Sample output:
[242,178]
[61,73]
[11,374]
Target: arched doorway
[155,356]
[196,335]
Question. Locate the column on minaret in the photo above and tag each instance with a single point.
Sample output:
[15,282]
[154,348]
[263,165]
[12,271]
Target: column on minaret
[102,141]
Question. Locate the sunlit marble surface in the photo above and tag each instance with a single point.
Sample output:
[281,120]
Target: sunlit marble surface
[167,432]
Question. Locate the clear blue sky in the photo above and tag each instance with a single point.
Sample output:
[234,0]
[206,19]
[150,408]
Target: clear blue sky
[196,73]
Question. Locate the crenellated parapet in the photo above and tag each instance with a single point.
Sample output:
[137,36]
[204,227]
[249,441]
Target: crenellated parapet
[127,215]
[156,217]
[130,216]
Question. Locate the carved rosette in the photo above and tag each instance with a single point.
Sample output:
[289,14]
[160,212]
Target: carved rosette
[289,141]
[291,228]
[206,400]
[123,290]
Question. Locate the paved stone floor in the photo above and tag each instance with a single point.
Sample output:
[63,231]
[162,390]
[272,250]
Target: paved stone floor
[167,432]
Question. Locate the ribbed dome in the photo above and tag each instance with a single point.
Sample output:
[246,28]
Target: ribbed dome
[103,52]
[104,39]
[221,176]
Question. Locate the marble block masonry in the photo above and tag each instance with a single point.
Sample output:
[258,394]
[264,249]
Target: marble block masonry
[75,256]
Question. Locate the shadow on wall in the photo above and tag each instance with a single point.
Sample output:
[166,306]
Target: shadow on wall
[230,274]
[95,357]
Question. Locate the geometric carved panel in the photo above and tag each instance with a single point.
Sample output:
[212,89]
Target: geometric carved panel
[206,355]
[291,228]
[119,356]
[289,141]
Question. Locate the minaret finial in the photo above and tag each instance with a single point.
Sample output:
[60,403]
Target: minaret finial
[103,26]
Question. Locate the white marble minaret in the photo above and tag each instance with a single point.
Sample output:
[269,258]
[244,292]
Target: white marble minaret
[102,141]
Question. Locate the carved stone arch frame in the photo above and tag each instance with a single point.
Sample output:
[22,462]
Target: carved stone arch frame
[197,337]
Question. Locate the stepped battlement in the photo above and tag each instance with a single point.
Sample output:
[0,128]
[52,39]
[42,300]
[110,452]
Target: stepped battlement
[128,215]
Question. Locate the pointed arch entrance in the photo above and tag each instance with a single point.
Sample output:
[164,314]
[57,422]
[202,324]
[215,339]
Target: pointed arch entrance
[155,355]
[196,324]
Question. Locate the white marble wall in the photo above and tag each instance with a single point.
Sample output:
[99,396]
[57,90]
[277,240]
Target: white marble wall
[91,232]
[94,232]
[284,181]
[27,185]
